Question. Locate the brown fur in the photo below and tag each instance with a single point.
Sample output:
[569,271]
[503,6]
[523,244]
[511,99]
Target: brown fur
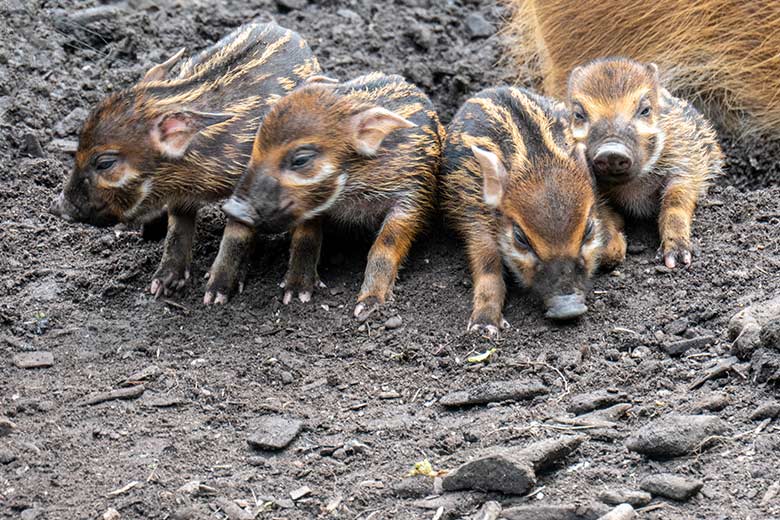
[372,148]
[178,143]
[548,199]
[674,150]
[723,53]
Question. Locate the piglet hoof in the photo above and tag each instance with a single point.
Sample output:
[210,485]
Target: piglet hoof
[168,279]
[486,329]
[676,253]
[366,307]
[219,288]
[302,289]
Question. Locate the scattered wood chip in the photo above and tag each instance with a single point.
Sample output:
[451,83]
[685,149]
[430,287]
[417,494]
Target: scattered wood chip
[130,392]
[715,372]
[297,494]
[124,489]
[771,493]
[35,359]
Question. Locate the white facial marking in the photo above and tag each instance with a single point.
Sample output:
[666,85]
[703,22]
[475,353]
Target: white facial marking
[579,132]
[595,242]
[340,183]
[660,140]
[299,180]
[146,189]
[513,256]
[128,175]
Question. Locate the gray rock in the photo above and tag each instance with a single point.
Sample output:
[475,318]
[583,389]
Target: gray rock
[678,348]
[745,326]
[583,403]
[393,322]
[556,512]
[36,359]
[274,432]
[293,4]
[770,335]
[621,512]
[6,426]
[6,456]
[677,327]
[489,511]
[452,504]
[671,486]
[674,435]
[299,493]
[30,514]
[766,410]
[510,470]
[493,392]
[232,510]
[615,497]
[63,146]
[765,366]
[478,27]
[712,403]
[71,123]
[413,487]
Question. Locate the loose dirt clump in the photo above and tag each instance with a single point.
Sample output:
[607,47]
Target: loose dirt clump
[367,394]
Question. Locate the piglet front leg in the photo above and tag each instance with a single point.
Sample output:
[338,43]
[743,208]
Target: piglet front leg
[389,250]
[229,269]
[301,277]
[174,269]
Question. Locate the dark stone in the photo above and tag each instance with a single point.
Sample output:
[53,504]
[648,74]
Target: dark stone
[583,403]
[274,433]
[671,486]
[494,392]
[674,435]
[478,27]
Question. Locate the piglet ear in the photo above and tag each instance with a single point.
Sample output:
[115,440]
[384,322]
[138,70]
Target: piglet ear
[574,76]
[159,72]
[173,132]
[494,175]
[652,68]
[370,127]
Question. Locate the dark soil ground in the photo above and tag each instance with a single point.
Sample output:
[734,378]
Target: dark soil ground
[81,294]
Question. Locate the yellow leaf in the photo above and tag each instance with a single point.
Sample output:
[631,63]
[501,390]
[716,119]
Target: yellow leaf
[424,468]
[480,358]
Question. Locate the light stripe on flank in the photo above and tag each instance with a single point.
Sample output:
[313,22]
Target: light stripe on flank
[501,115]
[541,120]
[340,183]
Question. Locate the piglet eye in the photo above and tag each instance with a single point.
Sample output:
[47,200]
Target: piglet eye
[645,112]
[105,162]
[579,117]
[302,157]
[589,230]
[520,238]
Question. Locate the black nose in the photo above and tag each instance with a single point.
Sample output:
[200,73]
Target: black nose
[614,158]
[60,207]
[566,307]
[240,210]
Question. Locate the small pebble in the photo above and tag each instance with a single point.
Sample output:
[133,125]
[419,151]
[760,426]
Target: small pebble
[671,486]
[393,322]
[767,410]
[37,359]
[478,27]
